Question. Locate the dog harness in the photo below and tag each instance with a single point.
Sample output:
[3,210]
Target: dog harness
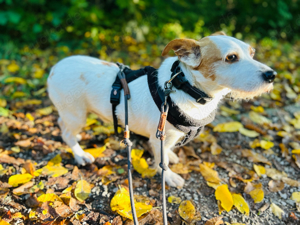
[177,117]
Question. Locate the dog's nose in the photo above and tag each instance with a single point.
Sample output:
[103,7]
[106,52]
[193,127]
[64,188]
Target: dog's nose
[269,76]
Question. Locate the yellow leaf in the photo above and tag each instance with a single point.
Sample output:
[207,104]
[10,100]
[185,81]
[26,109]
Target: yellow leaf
[215,149]
[255,143]
[121,203]
[96,152]
[150,172]
[266,144]
[3,222]
[29,116]
[90,122]
[17,179]
[222,193]
[248,133]
[180,168]
[276,210]
[140,165]
[38,73]
[82,190]
[174,200]
[260,170]
[13,67]
[18,80]
[136,153]
[229,111]
[187,210]
[3,102]
[255,191]
[55,160]
[53,171]
[45,111]
[210,165]
[209,174]
[213,185]
[258,109]
[240,203]
[283,134]
[259,119]
[50,197]
[296,151]
[18,94]
[233,126]
[296,197]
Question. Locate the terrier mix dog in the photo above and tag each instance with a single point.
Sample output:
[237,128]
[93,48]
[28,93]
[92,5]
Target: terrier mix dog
[217,64]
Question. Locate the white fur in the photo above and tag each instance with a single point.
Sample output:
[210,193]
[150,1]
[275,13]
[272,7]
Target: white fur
[81,84]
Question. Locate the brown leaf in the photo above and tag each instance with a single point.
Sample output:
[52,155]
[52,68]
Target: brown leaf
[297,159]
[254,157]
[189,151]
[276,185]
[11,160]
[215,221]
[256,128]
[32,202]
[24,143]
[29,167]
[23,189]
[63,211]
[75,173]
[117,221]
[58,183]
[73,204]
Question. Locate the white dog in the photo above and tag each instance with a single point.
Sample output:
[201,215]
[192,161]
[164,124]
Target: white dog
[216,64]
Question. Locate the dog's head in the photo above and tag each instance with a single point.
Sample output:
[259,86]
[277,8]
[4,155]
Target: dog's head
[224,62]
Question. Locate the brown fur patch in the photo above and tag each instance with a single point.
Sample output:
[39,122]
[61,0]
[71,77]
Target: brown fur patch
[209,55]
[251,51]
[107,63]
[180,47]
[83,78]
[219,33]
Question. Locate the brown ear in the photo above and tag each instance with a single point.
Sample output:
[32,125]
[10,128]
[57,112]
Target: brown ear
[218,33]
[187,50]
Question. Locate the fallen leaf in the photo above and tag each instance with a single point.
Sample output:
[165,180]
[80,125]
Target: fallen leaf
[215,221]
[96,152]
[255,191]
[259,119]
[276,210]
[233,126]
[275,174]
[240,203]
[187,212]
[223,194]
[55,160]
[53,171]
[260,170]
[13,67]
[24,143]
[266,144]
[254,157]
[18,179]
[209,174]
[296,197]
[50,197]
[248,133]
[121,203]
[45,111]
[258,109]
[275,186]
[29,167]
[174,200]
[296,157]
[180,168]
[215,149]
[82,190]
[23,189]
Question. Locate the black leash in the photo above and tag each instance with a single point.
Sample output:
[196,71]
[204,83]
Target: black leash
[127,141]
[161,135]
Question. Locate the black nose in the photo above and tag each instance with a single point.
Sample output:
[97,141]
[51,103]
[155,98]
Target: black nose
[269,76]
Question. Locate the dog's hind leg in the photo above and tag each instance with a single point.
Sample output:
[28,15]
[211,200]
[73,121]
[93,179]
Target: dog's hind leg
[70,129]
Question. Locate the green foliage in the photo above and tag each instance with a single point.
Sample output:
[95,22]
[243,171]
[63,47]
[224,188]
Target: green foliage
[44,23]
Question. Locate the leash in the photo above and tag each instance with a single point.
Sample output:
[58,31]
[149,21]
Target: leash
[126,140]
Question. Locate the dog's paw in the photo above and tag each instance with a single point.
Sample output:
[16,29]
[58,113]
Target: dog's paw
[173,158]
[84,158]
[173,179]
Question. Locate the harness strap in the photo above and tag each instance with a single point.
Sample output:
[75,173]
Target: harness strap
[180,82]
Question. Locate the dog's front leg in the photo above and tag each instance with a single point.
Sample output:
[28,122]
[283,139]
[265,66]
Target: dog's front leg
[172,179]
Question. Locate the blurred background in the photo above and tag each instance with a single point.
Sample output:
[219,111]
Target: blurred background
[35,34]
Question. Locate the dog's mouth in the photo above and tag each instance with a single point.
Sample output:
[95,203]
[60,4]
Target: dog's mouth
[245,94]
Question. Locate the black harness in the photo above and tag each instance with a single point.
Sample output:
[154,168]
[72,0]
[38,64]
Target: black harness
[178,118]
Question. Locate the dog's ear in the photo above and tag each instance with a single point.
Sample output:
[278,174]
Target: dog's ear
[187,50]
[218,33]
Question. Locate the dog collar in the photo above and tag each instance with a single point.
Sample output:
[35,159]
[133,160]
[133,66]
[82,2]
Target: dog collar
[180,82]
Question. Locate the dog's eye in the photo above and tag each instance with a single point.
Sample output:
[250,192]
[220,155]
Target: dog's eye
[231,58]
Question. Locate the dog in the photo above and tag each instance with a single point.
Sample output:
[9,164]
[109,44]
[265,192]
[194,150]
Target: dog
[217,64]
